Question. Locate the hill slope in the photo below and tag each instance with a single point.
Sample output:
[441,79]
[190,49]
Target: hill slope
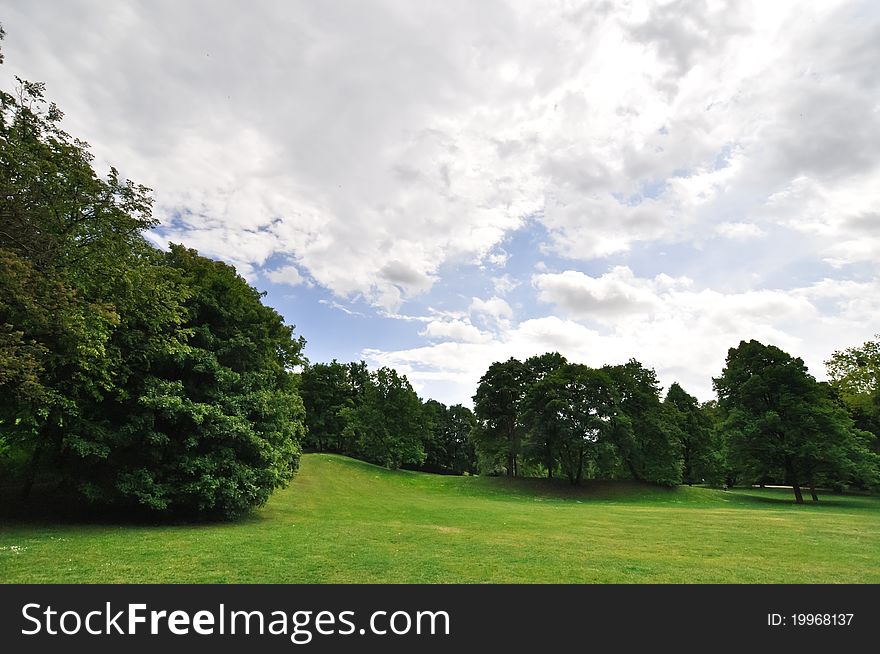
[347,521]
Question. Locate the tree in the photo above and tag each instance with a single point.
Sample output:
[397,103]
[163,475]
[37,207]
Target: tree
[388,425]
[701,450]
[778,417]
[855,376]
[542,443]
[498,434]
[325,390]
[208,420]
[448,447]
[67,240]
[134,378]
[648,448]
[578,405]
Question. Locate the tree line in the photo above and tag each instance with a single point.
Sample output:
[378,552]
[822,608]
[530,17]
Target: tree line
[377,416]
[773,422]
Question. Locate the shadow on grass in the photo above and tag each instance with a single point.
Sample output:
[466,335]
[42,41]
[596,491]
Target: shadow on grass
[786,498]
[48,506]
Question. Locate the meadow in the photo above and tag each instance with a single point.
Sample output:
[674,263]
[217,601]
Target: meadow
[346,521]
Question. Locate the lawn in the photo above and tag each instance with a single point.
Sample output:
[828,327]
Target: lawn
[346,521]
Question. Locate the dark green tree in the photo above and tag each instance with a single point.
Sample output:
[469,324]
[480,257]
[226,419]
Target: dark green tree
[701,449]
[779,418]
[326,390]
[131,377]
[448,446]
[498,435]
[541,439]
[388,425]
[854,374]
[67,241]
[578,405]
[645,443]
[208,420]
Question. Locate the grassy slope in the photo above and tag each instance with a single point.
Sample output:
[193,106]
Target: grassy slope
[346,521]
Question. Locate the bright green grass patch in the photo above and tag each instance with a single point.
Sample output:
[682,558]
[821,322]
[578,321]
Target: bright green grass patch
[346,521]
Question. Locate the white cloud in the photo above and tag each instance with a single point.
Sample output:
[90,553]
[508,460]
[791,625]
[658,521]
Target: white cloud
[739,231]
[379,145]
[455,330]
[682,332]
[374,143]
[289,275]
[494,311]
[504,284]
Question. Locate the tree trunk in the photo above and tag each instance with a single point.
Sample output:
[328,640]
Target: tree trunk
[797,492]
[813,492]
[549,464]
[580,469]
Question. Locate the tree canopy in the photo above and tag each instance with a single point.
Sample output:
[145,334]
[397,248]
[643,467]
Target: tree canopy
[780,421]
[129,377]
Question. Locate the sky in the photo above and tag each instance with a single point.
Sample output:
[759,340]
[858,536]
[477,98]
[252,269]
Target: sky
[435,186]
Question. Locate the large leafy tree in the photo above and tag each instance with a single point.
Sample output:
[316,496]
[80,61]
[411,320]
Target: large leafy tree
[388,424]
[326,390]
[645,443]
[213,425]
[448,445]
[578,405]
[68,240]
[129,376]
[498,434]
[855,376]
[701,449]
[779,418]
[542,438]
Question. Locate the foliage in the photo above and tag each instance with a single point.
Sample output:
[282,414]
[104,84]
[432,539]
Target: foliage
[498,435]
[128,376]
[326,389]
[855,376]
[780,420]
[388,424]
[646,445]
[701,449]
[448,445]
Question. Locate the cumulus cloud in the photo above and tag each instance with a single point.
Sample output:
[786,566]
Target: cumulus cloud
[494,311]
[375,143]
[454,330]
[289,275]
[681,331]
[384,146]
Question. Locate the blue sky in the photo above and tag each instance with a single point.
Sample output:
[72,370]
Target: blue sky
[435,186]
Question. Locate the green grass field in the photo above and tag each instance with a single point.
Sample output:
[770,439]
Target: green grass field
[346,521]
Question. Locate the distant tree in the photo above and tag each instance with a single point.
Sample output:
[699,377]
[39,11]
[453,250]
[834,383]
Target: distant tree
[701,449]
[542,439]
[326,390]
[498,435]
[779,417]
[388,425]
[648,448]
[448,447]
[578,405]
[855,376]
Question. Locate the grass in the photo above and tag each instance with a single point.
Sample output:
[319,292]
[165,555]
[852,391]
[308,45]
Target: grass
[346,521]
